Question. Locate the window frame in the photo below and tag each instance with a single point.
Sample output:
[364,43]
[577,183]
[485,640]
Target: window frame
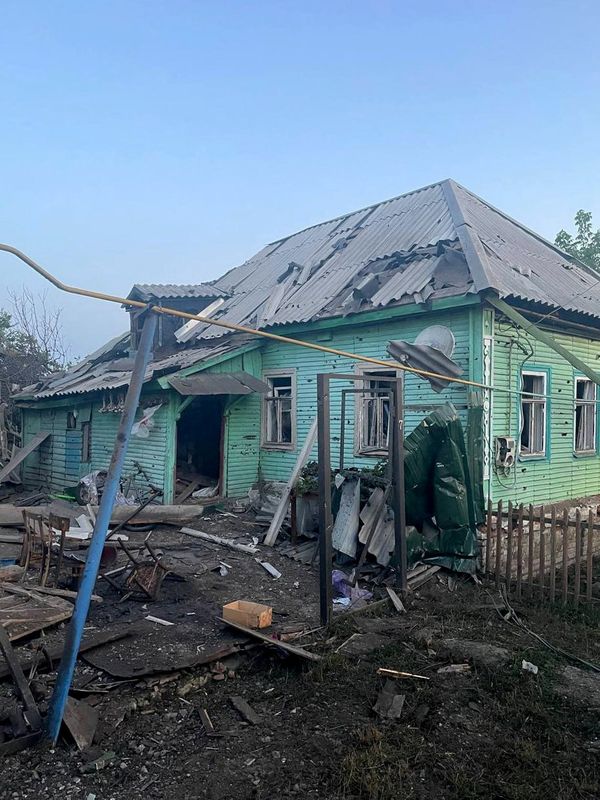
[539,372]
[359,449]
[86,441]
[578,402]
[264,442]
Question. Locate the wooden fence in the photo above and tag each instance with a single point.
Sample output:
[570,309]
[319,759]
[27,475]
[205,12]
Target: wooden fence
[541,552]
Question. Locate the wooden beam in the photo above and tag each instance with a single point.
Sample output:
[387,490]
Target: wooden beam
[281,510]
[22,453]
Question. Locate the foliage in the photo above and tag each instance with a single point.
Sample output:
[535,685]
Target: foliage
[31,342]
[585,245]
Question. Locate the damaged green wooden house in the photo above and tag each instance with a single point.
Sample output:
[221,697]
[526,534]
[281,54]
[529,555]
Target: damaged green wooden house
[225,410]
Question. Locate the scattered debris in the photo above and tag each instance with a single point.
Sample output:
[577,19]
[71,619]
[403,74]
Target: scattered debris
[11,573]
[81,721]
[251,549]
[269,568]
[481,654]
[527,666]
[245,710]
[454,669]
[23,612]
[209,728]
[159,620]
[394,673]
[389,703]
[397,603]
[289,648]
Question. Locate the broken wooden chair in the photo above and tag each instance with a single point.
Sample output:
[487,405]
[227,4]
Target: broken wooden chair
[39,545]
[143,576]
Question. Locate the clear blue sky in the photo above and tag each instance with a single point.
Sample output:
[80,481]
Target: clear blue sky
[166,141]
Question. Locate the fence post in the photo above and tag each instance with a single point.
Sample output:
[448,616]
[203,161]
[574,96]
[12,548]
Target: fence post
[590,557]
[530,559]
[542,562]
[509,546]
[553,556]
[565,557]
[520,551]
[488,538]
[498,542]
[577,556]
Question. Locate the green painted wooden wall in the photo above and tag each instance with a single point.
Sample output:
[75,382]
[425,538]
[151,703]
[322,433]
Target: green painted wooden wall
[369,340]
[561,474]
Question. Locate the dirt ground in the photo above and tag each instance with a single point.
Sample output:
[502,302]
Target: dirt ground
[492,731]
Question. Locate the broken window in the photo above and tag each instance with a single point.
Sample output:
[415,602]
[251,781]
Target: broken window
[279,408]
[86,441]
[585,415]
[374,416]
[533,414]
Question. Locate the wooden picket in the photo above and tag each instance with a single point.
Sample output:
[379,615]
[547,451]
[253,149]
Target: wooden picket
[548,552]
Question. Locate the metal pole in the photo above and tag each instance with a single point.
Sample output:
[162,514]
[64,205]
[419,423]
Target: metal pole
[325,523]
[399,493]
[90,572]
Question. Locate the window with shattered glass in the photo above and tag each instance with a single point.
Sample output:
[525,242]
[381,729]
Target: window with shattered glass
[375,413]
[585,416]
[278,421]
[533,414]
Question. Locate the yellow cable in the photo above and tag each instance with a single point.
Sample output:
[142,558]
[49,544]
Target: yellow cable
[231,325]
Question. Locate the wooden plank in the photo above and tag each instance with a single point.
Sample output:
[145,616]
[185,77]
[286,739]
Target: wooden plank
[488,538]
[53,653]
[33,715]
[565,557]
[281,510]
[509,547]
[520,551]
[542,575]
[33,614]
[553,555]
[530,554]
[22,454]
[590,558]
[290,648]
[498,542]
[245,710]
[397,603]
[12,516]
[577,587]
[25,590]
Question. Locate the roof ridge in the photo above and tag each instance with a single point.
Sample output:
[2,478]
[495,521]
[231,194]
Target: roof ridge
[357,211]
[527,230]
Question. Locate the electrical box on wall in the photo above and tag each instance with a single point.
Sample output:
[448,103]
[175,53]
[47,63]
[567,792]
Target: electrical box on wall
[505,451]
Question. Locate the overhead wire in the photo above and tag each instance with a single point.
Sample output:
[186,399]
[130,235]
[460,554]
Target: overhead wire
[236,327]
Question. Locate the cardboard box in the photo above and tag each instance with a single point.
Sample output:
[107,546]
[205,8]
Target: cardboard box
[251,615]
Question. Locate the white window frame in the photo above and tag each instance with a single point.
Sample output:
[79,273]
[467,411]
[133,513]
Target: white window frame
[265,444]
[583,403]
[359,448]
[537,373]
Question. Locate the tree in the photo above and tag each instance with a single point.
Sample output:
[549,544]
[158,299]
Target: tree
[31,341]
[585,245]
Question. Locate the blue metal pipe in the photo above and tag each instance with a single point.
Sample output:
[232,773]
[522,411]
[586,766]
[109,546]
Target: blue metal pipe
[90,572]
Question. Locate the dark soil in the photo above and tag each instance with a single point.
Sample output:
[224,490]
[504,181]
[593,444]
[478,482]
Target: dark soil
[495,731]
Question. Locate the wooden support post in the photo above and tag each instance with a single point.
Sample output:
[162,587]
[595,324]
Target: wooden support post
[498,542]
[577,588]
[509,546]
[520,552]
[542,574]
[565,557]
[530,556]
[488,538]
[590,557]
[553,556]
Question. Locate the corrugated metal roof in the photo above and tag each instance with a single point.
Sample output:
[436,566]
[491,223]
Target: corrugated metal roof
[319,266]
[171,291]
[208,383]
[89,376]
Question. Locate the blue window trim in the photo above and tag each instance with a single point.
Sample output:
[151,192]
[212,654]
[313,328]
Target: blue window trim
[529,367]
[585,453]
